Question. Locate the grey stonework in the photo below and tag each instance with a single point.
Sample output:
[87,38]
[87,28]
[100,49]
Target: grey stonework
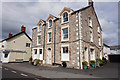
[79,37]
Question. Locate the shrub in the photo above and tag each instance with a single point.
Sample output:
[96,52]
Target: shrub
[92,61]
[85,63]
[64,64]
[38,60]
[30,59]
[98,59]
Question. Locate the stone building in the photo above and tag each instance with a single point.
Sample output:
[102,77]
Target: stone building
[73,37]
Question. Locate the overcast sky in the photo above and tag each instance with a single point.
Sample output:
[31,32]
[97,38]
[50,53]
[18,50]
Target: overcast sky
[15,14]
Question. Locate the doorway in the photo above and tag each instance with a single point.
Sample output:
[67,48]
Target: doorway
[49,59]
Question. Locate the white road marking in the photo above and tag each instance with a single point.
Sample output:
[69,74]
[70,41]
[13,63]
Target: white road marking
[5,68]
[23,74]
[36,79]
[14,71]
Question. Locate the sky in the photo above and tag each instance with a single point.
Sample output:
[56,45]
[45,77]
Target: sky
[13,14]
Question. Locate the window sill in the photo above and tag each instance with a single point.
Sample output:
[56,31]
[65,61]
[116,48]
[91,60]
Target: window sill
[64,22]
[65,60]
[64,40]
[49,42]
[91,27]
[49,27]
[39,31]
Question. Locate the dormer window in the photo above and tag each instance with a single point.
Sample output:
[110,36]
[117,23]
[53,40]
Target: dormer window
[65,17]
[50,23]
[40,26]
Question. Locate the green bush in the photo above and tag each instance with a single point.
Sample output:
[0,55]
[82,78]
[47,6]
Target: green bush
[38,60]
[64,64]
[92,61]
[30,59]
[101,62]
[85,63]
[98,59]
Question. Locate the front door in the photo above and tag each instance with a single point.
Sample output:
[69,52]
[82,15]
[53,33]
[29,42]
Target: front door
[49,60]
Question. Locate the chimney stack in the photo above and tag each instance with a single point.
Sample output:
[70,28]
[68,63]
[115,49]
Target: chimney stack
[10,35]
[23,28]
[90,2]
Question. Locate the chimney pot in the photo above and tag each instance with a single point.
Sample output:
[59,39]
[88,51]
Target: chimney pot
[23,28]
[10,35]
[90,2]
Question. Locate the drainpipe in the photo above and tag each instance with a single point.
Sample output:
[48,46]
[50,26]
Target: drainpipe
[79,37]
[55,36]
[44,42]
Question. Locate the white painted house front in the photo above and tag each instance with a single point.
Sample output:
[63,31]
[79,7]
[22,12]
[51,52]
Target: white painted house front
[16,48]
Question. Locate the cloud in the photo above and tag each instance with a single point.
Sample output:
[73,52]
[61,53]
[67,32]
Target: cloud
[15,14]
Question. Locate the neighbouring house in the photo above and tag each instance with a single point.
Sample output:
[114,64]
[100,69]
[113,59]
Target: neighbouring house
[110,50]
[73,37]
[16,48]
[106,50]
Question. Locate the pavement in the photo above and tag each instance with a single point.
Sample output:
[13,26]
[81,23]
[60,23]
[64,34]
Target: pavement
[109,71]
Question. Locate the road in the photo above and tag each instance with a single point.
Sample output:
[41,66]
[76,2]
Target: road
[12,74]
[109,71]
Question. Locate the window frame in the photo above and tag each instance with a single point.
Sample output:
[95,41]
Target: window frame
[99,41]
[91,35]
[27,45]
[62,34]
[65,56]
[35,51]
[5,55]
[39,41]
[40,27]
[49,37]
[40,52]
[62,21]
[49,23]
[90,21]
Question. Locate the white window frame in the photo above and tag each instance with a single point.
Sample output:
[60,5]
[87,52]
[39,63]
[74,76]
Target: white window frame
[98,29]
[36,52]
[93,53]
[49,23]
[48,37]
[66,55]
[99,40]
[39,27]
[91,35]
[90,21]
[38,40]
[62,17]
[62,39]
